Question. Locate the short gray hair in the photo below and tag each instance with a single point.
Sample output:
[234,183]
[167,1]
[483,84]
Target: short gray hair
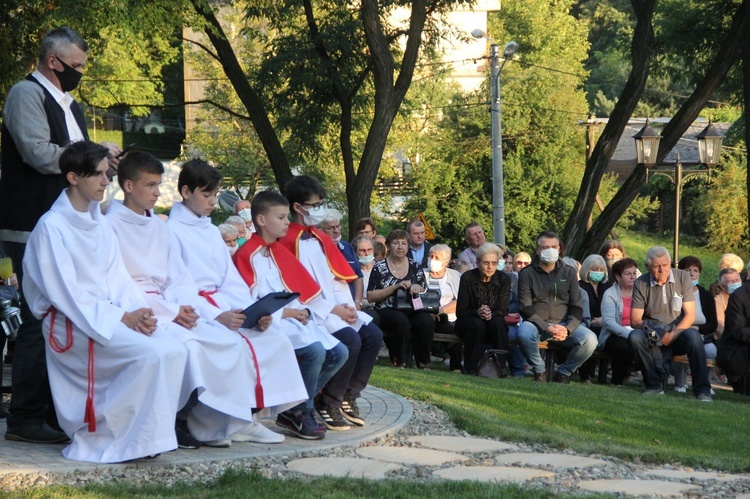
[656,252]
[331,215]
[235,220]
[59,41]
[591,261]
[228,230]
[442,251]
[489,248]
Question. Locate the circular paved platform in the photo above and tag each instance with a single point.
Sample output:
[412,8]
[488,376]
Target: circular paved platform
[386,413]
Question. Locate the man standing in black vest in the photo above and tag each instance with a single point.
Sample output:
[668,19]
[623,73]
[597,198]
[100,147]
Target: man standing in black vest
[39,119]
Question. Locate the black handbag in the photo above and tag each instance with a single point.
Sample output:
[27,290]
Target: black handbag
[493,364]
[430,300]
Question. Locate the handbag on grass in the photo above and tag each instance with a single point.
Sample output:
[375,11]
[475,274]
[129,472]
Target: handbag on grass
[493,364]
[429,300]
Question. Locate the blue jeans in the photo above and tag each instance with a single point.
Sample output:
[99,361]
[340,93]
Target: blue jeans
[517,360]
[651,359]
[529,336]
[317,365]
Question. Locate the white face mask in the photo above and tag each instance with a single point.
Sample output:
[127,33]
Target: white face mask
[337,239]
[549,255]
[315,216]
[245,214]
[232,249]
[435,265]
[366,260]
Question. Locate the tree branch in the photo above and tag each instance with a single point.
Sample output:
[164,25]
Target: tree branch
[204,47]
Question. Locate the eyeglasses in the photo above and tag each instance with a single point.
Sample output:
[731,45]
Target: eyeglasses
[521,263]
[314,206]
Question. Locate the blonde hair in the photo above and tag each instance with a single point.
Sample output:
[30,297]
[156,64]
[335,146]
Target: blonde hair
[731,260]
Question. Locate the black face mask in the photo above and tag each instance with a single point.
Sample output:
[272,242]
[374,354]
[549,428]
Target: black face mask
[68,77]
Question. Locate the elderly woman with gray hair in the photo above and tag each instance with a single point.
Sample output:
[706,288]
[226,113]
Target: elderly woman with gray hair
[448,281]
[483,297]
[594,281]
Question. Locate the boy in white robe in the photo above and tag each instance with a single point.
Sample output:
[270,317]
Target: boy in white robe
[220,366]
[337,403]
[268,267]
[224,294]
[115,377]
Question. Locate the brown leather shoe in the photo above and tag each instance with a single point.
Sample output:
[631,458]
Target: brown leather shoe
[540,377]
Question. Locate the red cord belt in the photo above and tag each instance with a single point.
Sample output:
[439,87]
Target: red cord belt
[208,295]
[89,413]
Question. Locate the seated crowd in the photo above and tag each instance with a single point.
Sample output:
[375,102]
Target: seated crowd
[146,318]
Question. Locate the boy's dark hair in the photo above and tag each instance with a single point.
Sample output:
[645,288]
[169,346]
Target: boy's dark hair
[82,158]
[264,201]
[198,174]
[303,187]
[137,163]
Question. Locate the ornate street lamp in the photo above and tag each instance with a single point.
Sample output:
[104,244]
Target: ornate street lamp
[647,145]
[709,145]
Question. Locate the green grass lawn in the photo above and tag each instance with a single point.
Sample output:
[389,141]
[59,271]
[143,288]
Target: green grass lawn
[617,421]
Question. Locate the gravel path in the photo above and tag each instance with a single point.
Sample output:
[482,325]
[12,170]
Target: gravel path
[427,420]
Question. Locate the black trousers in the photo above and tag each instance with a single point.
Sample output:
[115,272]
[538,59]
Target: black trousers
[408,328]
[31,402]
[478,335]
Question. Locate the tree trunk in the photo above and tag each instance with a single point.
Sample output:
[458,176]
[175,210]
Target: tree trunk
[388,99]
[575,230]
[746,99]
[250,99]
[728,54]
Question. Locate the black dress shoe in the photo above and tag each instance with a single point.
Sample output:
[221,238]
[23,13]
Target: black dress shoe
[561,378]
[36,434]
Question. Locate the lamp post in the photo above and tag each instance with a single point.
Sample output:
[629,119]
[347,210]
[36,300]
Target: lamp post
[647,148]
[498,193]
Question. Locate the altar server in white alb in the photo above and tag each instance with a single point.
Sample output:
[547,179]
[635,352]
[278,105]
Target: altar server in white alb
[224,294]
[220,366]
[115,376]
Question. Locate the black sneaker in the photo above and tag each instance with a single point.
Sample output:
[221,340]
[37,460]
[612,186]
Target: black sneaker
[350,411]
[36,434]
[331,417]
[302,424]
[184,439]
[561,378]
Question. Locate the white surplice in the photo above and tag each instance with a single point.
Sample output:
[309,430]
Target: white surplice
[333,291]
[205,255]
[73,263]
[268,280]
[220,365]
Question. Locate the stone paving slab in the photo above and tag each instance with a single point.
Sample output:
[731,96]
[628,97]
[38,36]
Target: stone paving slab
[385,413]
[555,460]
[698,475]
[461,444]
[410,455]
[639,487]
[491,473]
[343,467]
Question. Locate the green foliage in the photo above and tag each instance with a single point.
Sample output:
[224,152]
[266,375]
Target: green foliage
[637,213]
[542,146]
[725,207]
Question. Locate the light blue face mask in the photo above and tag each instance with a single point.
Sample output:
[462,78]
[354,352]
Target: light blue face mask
[734,287]
[595,276]
[695,282]
[500,264]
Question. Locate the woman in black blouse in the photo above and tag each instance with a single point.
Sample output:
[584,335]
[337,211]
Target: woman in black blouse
[399,272]
[483,297]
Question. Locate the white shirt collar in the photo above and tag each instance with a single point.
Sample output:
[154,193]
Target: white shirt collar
[62,98]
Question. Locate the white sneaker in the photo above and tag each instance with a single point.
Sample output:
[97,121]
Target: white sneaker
[221,443]
[680,389]
[258,433]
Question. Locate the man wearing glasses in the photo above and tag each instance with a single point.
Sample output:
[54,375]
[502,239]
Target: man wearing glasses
[552,309]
